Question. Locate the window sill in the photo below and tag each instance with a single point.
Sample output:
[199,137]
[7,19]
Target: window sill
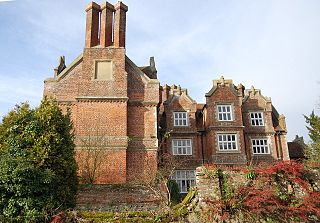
[191,155]
[232,152]
[261,154]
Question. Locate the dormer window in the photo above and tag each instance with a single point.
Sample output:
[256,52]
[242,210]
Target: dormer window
[224,112]
[180,118]
[256,118]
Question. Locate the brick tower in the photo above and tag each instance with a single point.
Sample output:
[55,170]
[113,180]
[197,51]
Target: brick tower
[113,102]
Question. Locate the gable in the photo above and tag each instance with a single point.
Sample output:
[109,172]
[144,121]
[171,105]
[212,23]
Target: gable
[255,100]
[224,89]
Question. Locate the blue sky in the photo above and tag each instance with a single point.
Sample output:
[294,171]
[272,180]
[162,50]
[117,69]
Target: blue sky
[273,45]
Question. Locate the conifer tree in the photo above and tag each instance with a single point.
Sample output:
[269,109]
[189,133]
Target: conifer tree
[313,150]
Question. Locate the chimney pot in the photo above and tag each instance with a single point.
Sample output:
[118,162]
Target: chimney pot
[122,6]
[92,25]
[92,5]
[120,24]
[107,11]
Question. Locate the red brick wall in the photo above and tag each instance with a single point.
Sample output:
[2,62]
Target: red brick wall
[101,117]
[224,94]
[100,108]
[112,165]
[143,94]
[255,102]
[66,89]
[180,101]
[141,165]
[90,87]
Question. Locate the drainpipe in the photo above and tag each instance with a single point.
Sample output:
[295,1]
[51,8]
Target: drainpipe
[201,133]
[280,146]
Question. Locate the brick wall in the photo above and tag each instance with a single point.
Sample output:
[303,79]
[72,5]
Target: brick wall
[111,164]
[109,113]
[224,93]
[203,120]
[178,100]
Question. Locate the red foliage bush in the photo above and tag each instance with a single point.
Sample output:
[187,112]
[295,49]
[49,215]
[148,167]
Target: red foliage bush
[282,192]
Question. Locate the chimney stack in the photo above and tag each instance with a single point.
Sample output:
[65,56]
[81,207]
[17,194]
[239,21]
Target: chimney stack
[120,24]
[107,10]
[112,20]
[92,25]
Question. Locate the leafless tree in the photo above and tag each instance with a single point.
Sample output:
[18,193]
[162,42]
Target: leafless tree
[93,149]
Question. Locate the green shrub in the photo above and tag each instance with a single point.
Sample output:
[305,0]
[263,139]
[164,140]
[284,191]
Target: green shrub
[37,165]
[174,192]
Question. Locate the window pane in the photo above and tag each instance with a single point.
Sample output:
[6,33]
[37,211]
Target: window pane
[180,119]
[227,142]
[256,119]
[224,112]
[182,147]
[260,146]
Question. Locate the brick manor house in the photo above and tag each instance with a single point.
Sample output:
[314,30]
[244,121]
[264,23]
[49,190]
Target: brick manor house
[113,99]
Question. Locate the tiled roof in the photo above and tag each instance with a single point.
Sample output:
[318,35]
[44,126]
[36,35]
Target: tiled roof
[295,150]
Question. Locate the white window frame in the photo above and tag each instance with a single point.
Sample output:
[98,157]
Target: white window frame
[182,147]
[260,146]
[185,179]
[227,142]
[222,113]
[180,118]
[256,120]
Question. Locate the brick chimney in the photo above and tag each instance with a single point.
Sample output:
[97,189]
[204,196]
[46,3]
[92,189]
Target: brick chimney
[92,25]
[120,24]
[107,11]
